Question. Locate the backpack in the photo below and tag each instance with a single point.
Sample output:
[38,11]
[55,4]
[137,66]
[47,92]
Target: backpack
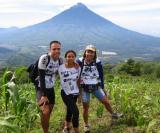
[33,69]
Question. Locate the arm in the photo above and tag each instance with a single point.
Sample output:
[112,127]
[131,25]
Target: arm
[42,81]
[101,75]
[43,60]
[80,89]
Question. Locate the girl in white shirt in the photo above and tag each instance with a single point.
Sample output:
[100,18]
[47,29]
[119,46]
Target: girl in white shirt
[69,75]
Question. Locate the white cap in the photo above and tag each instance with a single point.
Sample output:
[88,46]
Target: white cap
[91,47]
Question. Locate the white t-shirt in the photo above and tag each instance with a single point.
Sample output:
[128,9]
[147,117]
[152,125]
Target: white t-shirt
[50,70]
[89,75]
[68,78]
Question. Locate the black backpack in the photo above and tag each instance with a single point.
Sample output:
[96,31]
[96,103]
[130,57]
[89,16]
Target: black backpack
[33,69]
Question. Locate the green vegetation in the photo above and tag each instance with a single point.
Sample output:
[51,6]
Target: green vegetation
[137,97]
[137,68]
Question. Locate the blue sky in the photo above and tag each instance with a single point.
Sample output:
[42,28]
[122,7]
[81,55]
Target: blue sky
[139,15]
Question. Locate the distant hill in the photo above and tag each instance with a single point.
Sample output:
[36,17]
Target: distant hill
[5,30]
[78,26]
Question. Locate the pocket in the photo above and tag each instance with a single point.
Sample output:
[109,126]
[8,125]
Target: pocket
[90,88]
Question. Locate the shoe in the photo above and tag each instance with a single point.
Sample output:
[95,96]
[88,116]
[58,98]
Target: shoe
[87,129]
[116,115]
[66,130]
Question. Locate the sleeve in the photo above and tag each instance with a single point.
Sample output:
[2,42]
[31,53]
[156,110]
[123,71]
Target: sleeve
[79,71]
[79,62]
[43,60]
[101,75]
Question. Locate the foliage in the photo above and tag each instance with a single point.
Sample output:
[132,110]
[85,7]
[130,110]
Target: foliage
[137,97]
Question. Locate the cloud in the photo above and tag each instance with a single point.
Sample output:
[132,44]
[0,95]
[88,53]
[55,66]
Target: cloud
[136,7]
[59,5]
[133,14]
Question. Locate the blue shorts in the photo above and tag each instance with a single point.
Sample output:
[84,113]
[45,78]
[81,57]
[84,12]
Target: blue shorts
[99,94]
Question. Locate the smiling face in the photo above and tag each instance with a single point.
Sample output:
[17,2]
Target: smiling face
[89,55]
[55,49]
[70,57]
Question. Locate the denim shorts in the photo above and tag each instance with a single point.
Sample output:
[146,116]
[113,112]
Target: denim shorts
[98,93]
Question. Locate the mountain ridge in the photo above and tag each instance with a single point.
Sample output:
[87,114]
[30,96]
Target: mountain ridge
[78,26]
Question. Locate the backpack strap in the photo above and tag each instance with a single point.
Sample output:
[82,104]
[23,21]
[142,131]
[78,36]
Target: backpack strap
[82,65]
[48,59]
[101,74]
[60,61]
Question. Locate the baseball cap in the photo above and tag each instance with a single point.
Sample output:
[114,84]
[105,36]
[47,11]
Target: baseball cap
[91,47]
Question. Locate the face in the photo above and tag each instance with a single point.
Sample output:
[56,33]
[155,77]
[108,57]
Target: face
[70,58]
[89,55]
[55,50]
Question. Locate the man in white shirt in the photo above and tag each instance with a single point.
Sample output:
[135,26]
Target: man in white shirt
[48,67]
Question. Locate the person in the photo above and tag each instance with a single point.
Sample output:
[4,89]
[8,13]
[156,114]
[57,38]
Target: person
[92,81]
[48,65]
[69,76]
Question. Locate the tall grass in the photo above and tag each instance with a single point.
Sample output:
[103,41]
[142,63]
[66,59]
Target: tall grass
[138,98]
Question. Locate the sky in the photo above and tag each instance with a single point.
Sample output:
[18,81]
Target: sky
[138,15]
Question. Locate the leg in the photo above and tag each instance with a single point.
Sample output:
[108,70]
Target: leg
[103,99]
[46,109]
[68,118]
[99,93]
[107,105]
[45,116]
[85,99]
[85,112]
[75,112]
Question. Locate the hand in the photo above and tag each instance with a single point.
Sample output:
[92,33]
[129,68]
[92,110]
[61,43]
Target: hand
[43,100]
[43,105]
[76,65]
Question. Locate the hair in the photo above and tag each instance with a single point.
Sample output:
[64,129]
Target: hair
[70,51]
[95,55]
[54,42]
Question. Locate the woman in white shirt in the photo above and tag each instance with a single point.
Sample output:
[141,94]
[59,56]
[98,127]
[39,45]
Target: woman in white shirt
[69,75]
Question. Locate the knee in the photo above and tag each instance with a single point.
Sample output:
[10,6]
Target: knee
[85,110]
[105,101]
[75,111]
[45,110]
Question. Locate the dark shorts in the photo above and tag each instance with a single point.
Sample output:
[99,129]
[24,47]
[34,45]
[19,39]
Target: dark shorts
[49,93]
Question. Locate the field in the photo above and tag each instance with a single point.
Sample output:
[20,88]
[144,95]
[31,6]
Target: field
[138,98]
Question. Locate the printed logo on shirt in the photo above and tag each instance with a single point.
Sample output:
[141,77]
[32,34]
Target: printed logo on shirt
[69,79]
[90,72]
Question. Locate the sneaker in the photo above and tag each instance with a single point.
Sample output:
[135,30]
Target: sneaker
[116,115]
[87,129]
[66,130]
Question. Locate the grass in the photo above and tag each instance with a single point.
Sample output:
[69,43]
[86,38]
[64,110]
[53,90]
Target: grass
[136,97]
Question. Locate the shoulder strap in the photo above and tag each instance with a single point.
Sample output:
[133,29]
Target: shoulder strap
[97,67]
[60,61]
[81,68]
[48,59]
